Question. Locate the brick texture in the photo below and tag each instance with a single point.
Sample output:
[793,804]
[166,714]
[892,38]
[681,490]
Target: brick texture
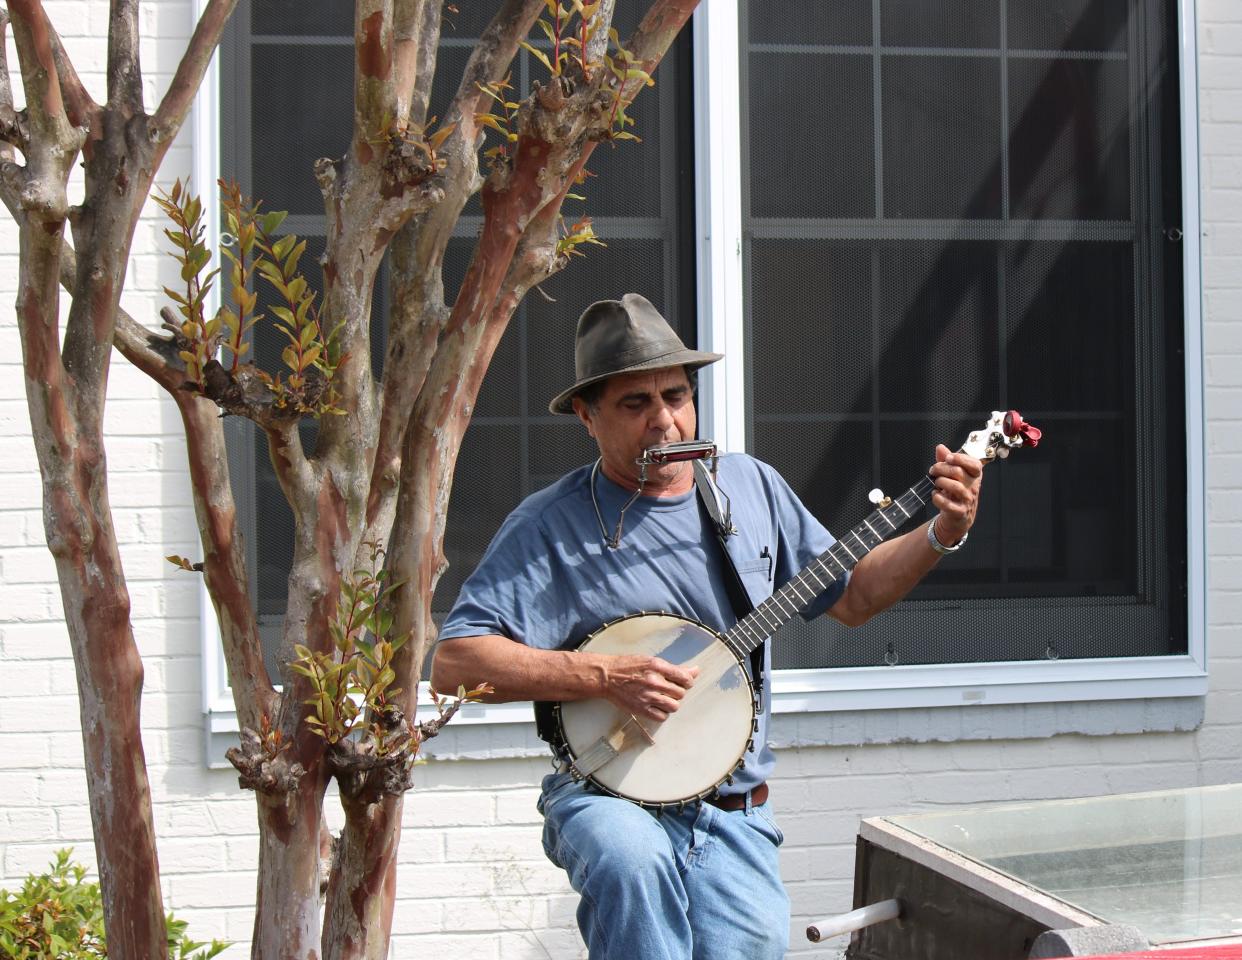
[473,878]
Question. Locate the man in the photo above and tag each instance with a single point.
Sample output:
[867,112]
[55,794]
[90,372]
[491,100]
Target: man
[703,881]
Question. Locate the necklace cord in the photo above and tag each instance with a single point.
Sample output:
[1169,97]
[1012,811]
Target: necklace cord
[614,542]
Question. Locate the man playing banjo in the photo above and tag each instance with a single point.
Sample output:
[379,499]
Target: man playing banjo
[632,533]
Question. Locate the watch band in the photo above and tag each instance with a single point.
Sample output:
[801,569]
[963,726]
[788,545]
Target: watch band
[935,544]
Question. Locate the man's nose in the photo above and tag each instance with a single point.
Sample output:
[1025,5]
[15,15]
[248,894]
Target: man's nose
[662,418]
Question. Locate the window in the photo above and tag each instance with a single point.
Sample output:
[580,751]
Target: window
[953,210]
[913,214]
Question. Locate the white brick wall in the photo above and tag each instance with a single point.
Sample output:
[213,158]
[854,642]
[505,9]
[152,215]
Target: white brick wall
[473,879]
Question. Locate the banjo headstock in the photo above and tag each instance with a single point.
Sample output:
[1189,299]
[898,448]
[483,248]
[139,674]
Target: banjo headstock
[1005,431]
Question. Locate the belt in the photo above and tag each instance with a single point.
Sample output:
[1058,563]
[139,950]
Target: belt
[737,801]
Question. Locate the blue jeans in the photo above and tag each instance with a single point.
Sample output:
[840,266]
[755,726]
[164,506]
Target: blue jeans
[703,883]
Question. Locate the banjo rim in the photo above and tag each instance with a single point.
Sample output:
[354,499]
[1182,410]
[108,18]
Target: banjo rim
[565,751]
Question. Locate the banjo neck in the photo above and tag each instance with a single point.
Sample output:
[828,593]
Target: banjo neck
[830,566]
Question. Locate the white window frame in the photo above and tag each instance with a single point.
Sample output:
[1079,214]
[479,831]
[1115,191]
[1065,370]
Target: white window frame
[717,98]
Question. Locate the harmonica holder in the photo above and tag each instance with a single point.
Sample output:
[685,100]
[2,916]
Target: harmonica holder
[659,455]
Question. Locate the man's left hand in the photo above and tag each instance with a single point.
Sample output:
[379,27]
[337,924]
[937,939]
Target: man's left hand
[957,478]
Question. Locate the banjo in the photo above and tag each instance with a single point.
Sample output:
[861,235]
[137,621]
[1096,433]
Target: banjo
[646,761]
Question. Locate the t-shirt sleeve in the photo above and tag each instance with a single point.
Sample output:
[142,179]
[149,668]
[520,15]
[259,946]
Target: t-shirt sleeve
[499,596]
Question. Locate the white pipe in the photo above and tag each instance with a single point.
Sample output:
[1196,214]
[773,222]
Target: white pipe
[854,920]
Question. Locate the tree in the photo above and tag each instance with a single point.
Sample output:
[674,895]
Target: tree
[380,472]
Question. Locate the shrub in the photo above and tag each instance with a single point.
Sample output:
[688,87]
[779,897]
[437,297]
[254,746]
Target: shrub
[58,915]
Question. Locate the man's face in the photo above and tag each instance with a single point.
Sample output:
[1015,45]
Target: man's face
[640,410]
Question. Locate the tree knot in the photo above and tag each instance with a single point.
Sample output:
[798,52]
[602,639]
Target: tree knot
[263,764]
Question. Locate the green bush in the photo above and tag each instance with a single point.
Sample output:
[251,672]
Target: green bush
[59,916]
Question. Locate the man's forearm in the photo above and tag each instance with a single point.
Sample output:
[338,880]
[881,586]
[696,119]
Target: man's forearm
[644,686]
[891,570]
[884,576]
[516,671]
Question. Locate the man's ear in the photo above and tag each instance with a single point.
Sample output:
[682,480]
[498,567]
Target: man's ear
[583,413]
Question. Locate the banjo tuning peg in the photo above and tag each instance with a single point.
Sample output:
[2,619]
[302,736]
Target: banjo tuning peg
[878,499]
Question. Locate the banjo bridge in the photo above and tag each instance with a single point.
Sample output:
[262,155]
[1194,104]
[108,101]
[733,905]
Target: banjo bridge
[606,749]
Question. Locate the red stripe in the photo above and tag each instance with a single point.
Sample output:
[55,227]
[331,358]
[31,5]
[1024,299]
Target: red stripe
[1225,952]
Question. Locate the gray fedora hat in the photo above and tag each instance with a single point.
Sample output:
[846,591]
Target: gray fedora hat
[624,336]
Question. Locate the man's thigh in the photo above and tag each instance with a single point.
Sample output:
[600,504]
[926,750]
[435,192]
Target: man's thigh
[583,827]
[626,870]
[738,905]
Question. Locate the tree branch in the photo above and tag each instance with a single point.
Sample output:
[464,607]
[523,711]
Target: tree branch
[376,109]
[224,555]
[417,317]
[489,62]
[293,471]
[189,76]
[408,45]
[655,34]
[427,43]
[12,133]
[82,108]
[124,63]
[32,34]
[224,560]
[54,141]
[419,313]
[597,46]
[418,248]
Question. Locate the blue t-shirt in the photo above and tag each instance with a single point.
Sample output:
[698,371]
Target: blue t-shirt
[548,579]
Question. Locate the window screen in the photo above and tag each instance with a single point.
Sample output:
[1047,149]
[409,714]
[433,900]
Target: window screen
[957,207]
[287,100]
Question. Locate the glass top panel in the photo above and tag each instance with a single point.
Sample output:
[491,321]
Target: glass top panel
[1170,862]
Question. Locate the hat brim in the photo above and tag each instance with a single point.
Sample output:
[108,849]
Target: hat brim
[563,402]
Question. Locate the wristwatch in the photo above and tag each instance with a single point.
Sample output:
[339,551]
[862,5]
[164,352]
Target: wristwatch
[939,547]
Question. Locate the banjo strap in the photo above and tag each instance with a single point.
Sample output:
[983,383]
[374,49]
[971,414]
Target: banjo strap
[709,497]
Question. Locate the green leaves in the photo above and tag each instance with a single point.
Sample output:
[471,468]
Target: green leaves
[356,678]
[575,235]
[251,252]
[186,235]
[503,122]
[59,914]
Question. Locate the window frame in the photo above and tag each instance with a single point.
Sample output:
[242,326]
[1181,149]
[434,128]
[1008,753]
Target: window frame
[720,289]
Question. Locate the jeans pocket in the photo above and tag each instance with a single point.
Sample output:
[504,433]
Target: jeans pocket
[765,823]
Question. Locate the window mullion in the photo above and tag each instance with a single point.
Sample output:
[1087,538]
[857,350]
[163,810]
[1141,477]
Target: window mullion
[719,179]
[205,171]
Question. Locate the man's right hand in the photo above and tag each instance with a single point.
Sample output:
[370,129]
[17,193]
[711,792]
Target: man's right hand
[646,687]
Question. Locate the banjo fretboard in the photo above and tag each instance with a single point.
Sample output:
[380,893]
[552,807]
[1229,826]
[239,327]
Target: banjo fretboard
[830,566]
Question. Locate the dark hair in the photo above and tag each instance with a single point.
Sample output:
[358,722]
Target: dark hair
[591,393]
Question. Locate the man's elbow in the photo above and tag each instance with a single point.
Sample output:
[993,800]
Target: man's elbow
[850,612]
[446,672]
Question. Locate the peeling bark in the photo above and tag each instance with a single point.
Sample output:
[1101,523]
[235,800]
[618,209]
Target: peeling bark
[362,890]
[286,923]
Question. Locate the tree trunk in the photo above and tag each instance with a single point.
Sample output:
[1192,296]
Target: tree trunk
[286,922]
[109,674]
[358,917]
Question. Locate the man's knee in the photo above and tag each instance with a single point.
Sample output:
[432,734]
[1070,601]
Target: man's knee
[609,843]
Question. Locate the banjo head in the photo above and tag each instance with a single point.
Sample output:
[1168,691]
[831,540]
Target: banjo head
[686,756]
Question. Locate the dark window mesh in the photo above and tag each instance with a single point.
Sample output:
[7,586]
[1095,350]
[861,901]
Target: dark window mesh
[950,210]
[947,210]
[287,100]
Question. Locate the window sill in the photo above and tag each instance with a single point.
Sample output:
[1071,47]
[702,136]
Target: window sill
[835,707]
